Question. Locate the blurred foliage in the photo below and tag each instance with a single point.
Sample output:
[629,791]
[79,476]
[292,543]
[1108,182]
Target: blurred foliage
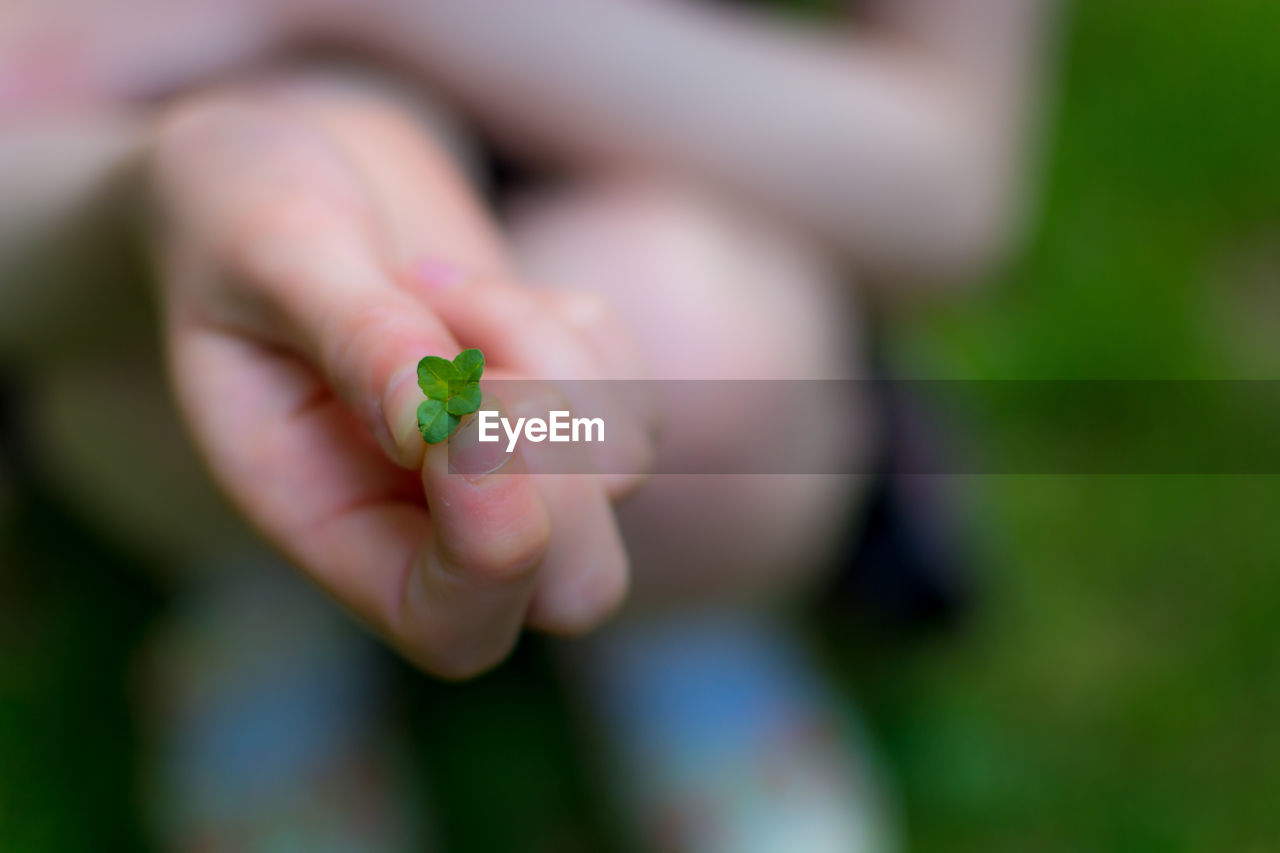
[1119,690]
[72,611]
[1118,687]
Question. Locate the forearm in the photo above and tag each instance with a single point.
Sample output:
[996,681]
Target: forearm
[895,143]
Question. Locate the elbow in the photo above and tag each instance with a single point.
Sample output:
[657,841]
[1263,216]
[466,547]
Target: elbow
[965,235]
[947,232]
[943,212]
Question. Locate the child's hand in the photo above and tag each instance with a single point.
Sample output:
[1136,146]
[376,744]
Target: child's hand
[294,339]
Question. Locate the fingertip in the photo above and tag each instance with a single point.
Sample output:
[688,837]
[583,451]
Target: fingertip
[585,606]
[450,629]
[491,525]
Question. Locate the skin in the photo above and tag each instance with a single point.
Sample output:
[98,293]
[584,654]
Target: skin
[294,323]
[296,215]
[712,292]
[899,139]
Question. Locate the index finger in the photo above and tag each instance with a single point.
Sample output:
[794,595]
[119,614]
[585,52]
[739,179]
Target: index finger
[445,580]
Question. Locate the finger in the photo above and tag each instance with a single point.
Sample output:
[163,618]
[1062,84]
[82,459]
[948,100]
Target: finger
[473,586]
[429,212]
[283,211]
[585,575]
[600,327]
[446,581]
[364,335]
[516,328]
[492,535]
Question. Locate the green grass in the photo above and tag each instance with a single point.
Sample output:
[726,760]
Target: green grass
[1120,690]
[1120,685]
[71,613]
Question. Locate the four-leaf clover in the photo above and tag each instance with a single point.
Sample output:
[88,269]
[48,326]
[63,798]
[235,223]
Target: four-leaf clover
[452,389]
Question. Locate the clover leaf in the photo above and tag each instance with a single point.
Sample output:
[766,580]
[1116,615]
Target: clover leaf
[452,389]
[434,421]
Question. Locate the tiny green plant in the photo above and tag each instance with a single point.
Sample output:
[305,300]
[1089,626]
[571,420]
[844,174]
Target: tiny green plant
[452,389]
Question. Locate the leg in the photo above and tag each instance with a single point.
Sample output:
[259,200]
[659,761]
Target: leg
[724,732]
[709,293]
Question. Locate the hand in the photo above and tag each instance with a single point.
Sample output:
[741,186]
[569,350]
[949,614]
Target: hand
[295,324]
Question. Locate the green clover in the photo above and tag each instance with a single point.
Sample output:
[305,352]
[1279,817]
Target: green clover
[452,389]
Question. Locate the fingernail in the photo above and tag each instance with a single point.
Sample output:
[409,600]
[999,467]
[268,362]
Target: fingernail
[473,458]
[396,425]
[437,275]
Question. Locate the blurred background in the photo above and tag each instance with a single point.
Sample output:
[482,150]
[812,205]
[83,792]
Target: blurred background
[1117,686]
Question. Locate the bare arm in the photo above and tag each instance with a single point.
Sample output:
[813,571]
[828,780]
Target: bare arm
[900,140]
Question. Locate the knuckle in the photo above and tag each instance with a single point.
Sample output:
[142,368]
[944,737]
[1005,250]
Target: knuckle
[597,596]
[357,334]
[549,396]
[348,343]
[275,238]
[184,142]
[199,121]
[367,350]
[508,559]
[534,398]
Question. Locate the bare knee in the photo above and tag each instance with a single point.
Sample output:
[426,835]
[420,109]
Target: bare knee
[710,292]
[707,290]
